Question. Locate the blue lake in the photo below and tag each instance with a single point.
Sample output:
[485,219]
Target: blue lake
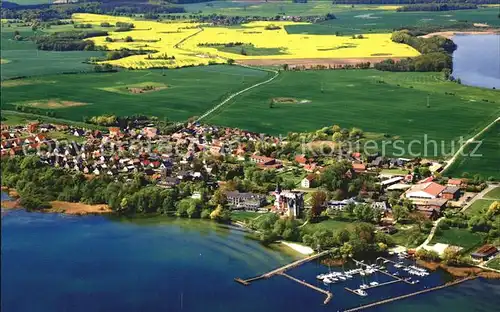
[53,262]
[477,60]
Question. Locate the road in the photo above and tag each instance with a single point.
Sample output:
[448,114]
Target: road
[479,196]
[461,149]
[431,234]
[229,98]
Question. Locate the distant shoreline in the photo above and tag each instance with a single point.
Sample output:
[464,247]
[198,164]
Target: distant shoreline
[450,34]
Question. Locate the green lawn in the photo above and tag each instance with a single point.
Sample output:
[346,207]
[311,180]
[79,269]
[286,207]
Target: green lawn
[244,215]
[494,193]
[494,264]
[188,91]
[458,237]
[487,161]
[330,224]
[480,206]
[383,103]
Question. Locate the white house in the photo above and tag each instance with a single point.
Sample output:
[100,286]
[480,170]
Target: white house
[308,181]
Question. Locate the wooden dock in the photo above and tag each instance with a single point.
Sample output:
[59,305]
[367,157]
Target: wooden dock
[328,294]
[281,269]
[383,272]
[374,286]
[371,305]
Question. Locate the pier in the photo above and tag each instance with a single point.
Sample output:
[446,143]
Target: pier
[374,286]
[399,279]
[282,269]
[374,304]
[328,294]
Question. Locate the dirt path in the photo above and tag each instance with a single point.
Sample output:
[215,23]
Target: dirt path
[460,150]
[431,234]
[230,97]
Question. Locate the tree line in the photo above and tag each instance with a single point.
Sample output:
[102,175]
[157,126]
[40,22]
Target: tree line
[69,41]
[437,7]
[435,54]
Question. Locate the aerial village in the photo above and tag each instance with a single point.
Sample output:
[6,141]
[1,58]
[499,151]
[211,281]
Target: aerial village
[216,157]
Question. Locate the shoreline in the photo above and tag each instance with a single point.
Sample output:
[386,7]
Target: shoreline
[460,272]
[450,34]
[302,249]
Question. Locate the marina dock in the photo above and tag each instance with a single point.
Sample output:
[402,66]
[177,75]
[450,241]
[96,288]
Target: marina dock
[383,272]
[373,286]
[281,269]
[328,294]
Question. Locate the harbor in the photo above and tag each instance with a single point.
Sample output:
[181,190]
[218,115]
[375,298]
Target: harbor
[371,283]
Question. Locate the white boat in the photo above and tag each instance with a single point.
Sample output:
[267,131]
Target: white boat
[363,286]
[342,277]
[362,273]
[327,281]
[348,276]
[406,269]
[415,281]
[395,273]
[321,276]
[373,284]
[361,292]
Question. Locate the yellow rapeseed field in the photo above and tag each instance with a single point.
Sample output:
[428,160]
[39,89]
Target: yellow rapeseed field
[185,40]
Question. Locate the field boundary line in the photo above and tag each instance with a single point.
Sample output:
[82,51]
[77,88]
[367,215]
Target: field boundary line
[230,97]
[472,139]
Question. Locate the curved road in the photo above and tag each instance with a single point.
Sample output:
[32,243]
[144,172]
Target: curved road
[229,98]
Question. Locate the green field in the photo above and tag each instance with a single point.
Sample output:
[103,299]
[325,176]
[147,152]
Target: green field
[376,21]
[458,237]
[330,224]
[396,108]
[494,264]
[25,60]
[485,165]
[188,91]
[494,193]
[479,207]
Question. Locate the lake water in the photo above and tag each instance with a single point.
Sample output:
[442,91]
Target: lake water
[54,262]
[477,60]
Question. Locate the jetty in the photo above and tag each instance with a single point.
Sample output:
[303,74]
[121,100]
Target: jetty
[328,294]
[374,304]
[383,272]
[281,269]
[373,286]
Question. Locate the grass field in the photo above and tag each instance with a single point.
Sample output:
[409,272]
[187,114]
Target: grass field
[494,193]
[458,237]
[488,164]
[479,207]
[352,22]
[357,98]
[188,92]
[494,264]
[25,60]
[330,224]
[243,216]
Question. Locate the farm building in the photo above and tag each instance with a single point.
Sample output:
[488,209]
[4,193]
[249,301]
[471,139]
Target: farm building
[427,190]
[484,253]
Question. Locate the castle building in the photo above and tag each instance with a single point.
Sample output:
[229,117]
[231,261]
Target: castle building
[289,203]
